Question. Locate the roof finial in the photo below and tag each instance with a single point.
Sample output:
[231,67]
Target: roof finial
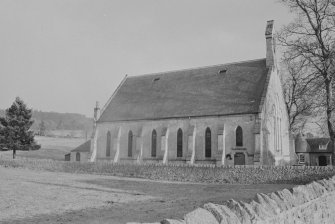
[270,44]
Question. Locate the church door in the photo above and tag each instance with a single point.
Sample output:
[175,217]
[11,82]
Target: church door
[239,158]
[322,161]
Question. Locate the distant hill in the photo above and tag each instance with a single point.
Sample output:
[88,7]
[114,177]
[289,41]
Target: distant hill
[60,121]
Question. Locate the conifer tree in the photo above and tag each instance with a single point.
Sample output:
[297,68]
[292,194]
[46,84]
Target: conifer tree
[15,133]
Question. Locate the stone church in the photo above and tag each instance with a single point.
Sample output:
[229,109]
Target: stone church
[227,114]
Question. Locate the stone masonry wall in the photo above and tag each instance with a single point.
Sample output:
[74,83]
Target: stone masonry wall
[183,172]
[311,203]
[230,123]
[224,174]
[275,147]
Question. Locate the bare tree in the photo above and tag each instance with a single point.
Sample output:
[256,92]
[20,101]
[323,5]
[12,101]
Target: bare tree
[310,39]
[299,99]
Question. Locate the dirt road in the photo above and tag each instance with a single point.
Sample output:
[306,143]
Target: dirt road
[28,196]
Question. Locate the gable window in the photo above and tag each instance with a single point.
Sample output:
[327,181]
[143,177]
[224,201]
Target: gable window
[208,143]
[130,144]
[108,145]
[239,136]
[153,143]
[180,143]
[322,147]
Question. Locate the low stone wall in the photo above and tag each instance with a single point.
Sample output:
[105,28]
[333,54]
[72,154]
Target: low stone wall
[184,172]
[224,174]
[311,203]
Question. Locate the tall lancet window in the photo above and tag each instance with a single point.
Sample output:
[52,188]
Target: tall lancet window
[239,136]
[130,144]
[180,143]
[77,156]
[108,145]
[153,143]
[208,143]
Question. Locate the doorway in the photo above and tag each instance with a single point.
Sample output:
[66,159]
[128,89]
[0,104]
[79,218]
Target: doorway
[322,161]
[239,158]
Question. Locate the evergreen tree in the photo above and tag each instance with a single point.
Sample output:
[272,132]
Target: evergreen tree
[14,128]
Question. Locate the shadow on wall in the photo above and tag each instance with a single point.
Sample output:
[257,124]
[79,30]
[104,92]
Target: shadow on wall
[269,159]
[283,162]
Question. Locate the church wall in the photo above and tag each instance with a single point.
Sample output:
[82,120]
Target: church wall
[275,125]
[142,131]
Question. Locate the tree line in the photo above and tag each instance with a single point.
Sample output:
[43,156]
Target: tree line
[46,121]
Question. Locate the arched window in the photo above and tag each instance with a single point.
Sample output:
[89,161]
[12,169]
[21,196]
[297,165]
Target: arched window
[153,143]
[78,156]
[108,145]
[180,143]
[130,144]
[208,143]
[239,136]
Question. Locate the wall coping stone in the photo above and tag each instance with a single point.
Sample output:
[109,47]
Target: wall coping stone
[214,165]
[268,208]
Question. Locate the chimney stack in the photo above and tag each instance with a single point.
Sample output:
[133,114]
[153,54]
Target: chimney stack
[270,44]
[96,111]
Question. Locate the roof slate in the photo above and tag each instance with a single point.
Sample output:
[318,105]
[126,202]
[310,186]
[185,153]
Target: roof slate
[315,142]
[189,93]
[85,147]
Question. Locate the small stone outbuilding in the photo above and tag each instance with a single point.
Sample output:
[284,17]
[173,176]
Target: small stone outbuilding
[81,153]
[313,151]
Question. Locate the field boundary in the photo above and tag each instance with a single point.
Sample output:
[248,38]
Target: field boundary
[310,203]
[182,172]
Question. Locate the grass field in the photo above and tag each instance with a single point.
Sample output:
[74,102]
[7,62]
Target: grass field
[31,196]
[51,148]
[35,195]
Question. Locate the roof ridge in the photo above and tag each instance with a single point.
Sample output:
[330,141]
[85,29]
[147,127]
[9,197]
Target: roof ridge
[188,69]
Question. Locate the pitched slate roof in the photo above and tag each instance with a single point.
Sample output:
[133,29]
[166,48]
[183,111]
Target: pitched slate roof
[315,142]
[85,147]
[234,88]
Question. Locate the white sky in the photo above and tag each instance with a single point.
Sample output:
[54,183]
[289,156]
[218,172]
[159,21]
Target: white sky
[63,55]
